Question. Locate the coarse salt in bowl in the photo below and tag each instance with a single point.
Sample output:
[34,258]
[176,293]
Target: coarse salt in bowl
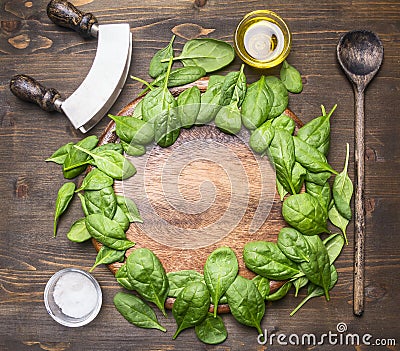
[72,297]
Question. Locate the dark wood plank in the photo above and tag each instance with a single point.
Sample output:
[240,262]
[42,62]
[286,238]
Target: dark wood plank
[31,44]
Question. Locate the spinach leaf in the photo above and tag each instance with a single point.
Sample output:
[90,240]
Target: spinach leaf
[96,180]
[310,157]
[280,93]
[191,306]
[220,270]
[267,260]
[83,204]
[313,291]
[291,78]
[210,103]
[299,283]
[280,293]
[237,86]
[133,149]
[317,132]
[304,213]
[107,255]
[109,146]
[338,220]
[342,190]
[319,178]
[122,277]
[246,304]
[261,138]
[298,175]
[153,103]
[294,245]
[228,119]
[133,130]
[107,231]
[64,196]
[159,107]
[223,300]
[137,112]
[147,276]
[111,163]
[262,285]
[78,232]
[167,125]
[234,88]
[256,104]
[76,161]
[281,190]
[211,330]
[180,76]
[282,153]
[121,218]
[60,154]
[178,280]
[321,192]
[316,291]
[156,66]
[189,106]
[130,209]
[136,311]
[101,201]
[334,245]
[285,122]
[210,54]
[215,79]
[317,269]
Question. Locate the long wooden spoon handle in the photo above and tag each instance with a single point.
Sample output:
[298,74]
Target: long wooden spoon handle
[359,240]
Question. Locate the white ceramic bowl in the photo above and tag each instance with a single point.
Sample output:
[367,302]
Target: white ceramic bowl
[56,312]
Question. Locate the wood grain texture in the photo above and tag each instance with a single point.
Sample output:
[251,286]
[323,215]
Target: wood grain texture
[31,44]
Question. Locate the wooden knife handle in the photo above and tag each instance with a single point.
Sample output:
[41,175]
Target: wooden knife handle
[28,89]
[64,14]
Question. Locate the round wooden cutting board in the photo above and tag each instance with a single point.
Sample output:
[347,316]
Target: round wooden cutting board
[205,191]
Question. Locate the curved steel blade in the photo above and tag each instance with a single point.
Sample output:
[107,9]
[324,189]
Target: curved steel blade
[105,80]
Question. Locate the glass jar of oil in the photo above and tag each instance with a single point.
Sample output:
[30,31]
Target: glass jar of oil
[262,39]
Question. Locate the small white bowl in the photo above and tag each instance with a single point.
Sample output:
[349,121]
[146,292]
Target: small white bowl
[54,309]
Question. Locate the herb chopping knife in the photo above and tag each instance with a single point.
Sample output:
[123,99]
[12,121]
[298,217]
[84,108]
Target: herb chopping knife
[105,80]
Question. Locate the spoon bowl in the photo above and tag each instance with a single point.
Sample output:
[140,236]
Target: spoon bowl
[360,53]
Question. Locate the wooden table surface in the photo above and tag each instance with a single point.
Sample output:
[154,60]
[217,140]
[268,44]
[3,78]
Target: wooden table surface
[29,255]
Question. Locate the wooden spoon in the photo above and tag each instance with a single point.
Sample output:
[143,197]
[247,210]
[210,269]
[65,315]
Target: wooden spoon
[360,53]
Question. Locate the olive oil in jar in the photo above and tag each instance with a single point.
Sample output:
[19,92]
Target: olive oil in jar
[262,39]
